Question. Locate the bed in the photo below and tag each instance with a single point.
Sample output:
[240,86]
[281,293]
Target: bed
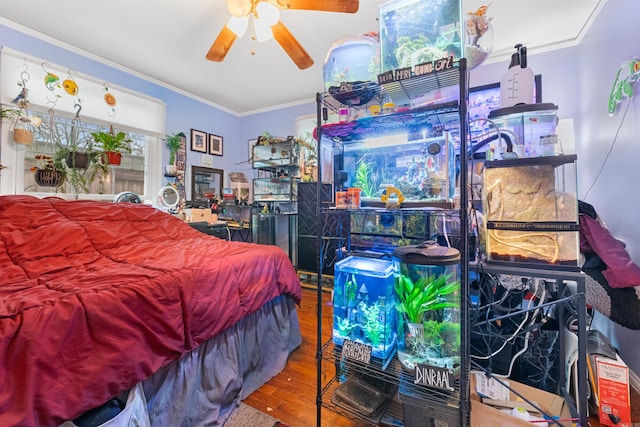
[96,298]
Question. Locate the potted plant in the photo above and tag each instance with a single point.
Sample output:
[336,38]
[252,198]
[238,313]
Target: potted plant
[113,145]
[49,173]
[81,167]
[174,142]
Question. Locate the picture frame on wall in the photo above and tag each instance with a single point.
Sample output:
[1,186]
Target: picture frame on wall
[198,141]
[215,144]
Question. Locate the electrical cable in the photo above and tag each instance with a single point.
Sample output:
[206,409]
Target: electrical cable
[613,143]
[518,329]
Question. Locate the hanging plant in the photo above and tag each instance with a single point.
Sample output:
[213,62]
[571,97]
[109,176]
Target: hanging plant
[113,145]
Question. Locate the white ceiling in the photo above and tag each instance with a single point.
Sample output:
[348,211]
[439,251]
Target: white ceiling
[166,41]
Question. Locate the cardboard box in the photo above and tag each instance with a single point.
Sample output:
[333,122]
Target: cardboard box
[198,215]
[483,415]
[613,391]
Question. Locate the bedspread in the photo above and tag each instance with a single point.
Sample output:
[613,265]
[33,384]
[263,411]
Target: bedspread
[95,297]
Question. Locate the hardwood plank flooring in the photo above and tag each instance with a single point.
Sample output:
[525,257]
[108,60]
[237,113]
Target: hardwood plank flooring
[291,395]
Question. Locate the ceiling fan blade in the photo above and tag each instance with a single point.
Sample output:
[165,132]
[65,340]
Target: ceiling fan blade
[290,45]
[221,45]
[344,6]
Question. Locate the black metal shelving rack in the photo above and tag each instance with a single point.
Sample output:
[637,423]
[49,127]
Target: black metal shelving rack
[400,92]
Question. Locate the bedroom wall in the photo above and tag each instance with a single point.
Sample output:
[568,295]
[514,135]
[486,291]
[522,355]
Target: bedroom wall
[184,111]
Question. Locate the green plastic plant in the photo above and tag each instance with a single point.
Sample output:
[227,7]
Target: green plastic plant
[427,294]
[350,291]
[173,144]
[373,329]
[362,179]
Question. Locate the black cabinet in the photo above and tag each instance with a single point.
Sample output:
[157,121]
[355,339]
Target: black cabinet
[308,219]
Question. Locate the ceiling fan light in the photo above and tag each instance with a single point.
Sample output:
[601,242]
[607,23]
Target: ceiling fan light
[238,25]
[239,8]
[262,30]
[267,13]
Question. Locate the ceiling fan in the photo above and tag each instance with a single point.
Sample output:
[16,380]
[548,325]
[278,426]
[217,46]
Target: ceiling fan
[266,23]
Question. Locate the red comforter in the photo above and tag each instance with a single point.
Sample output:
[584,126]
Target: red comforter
[95,297]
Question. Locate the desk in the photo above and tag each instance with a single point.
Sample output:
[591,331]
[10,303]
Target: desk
[238,232]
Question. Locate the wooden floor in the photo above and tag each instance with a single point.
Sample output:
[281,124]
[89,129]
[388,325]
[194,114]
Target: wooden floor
[291,396]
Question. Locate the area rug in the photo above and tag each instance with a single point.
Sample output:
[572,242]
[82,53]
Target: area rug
[247,416]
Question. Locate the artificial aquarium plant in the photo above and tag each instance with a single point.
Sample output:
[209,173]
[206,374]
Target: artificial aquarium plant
[374,329]
[426,294]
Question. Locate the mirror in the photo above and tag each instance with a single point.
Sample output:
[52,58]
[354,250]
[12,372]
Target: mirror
[206,183]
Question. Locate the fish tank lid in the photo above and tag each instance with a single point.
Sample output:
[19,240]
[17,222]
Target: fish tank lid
[522,108]
[370,266]
[427,253]
[555,161]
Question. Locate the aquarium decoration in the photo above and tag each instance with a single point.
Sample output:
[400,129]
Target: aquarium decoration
[392,197]
[479,41]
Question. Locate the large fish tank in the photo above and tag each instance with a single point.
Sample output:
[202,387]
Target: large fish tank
[364,304]
[414,32]
[427,286]
[419,163]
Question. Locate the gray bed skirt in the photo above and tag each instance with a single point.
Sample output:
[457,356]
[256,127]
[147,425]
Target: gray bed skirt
[208,383]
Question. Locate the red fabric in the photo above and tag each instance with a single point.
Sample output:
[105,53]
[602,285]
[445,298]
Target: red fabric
[621,272]
[95,297]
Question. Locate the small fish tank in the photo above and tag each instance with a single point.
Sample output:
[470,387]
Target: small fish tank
[427,287]
[527,124]
[364,305]
[351,69]
[414,32]
[530,208]
[419,164]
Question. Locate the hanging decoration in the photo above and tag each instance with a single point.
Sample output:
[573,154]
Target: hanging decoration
[22,127]
[110,100]
[623,87]
[52,83]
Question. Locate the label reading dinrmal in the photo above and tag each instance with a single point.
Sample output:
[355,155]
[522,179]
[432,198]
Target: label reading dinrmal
[434,376]
[356,351]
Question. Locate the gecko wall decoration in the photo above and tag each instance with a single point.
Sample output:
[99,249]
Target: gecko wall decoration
[624,86]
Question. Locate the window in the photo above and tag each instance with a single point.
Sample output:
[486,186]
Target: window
[52,140]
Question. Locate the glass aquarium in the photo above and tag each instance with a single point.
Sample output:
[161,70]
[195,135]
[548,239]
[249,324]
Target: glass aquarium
[427,288]
[283,152]
[351,69]
[529,126]
[364,304]
[419,165]
[414,32]
[531,210]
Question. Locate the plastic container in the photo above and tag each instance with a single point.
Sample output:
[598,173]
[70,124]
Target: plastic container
[364,304]
[429,320]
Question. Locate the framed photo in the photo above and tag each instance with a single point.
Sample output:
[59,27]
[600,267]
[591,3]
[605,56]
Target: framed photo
[215,145]
[198,141]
